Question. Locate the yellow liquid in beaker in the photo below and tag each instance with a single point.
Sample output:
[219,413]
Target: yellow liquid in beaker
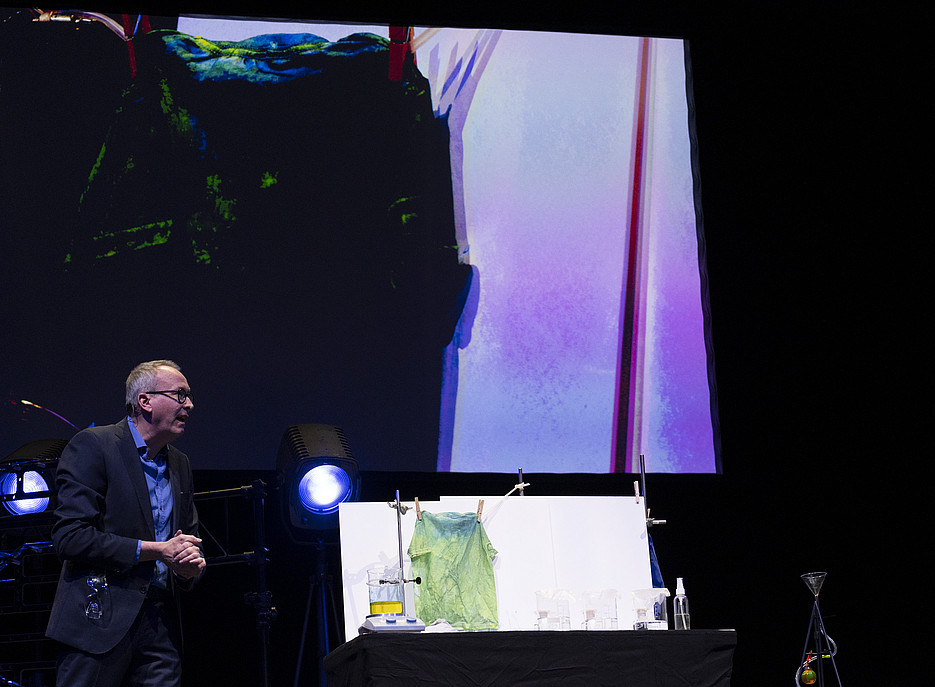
[386,607]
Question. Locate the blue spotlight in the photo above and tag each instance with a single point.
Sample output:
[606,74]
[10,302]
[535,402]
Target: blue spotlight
[323,487]
[318,473]
[27,483]
[21,504]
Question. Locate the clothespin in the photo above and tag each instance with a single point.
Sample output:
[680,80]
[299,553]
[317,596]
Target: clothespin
[400,46]
[636,490]
[480,509]
[418,509]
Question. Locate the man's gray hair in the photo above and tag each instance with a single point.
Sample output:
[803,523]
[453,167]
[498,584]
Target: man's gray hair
[141,379]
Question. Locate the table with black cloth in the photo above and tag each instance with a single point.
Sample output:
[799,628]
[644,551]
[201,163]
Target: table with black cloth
[693,658]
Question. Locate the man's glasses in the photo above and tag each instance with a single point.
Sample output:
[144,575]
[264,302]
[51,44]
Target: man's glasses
[181,395]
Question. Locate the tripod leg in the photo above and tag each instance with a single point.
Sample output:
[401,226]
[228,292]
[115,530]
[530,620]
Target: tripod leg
[308,606]
[339,628]
[322,620]
[819,644]
[829,643]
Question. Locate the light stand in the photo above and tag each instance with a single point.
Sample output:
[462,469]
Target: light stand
[823,646]
[318,472]
[321,590]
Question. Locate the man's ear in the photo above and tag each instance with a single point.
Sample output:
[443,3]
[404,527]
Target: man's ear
[145,402]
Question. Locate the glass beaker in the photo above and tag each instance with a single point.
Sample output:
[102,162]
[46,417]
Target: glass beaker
[386,590]
[650,606]
[553,608]
[599,609]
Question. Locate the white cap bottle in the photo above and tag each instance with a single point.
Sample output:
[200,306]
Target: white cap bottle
[680,604]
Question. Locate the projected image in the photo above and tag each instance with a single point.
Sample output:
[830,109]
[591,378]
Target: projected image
[472,250]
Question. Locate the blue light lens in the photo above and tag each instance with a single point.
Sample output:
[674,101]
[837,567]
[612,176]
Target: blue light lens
[323,487]
[32,482]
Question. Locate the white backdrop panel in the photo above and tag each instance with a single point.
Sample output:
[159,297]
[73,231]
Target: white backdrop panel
[578,543]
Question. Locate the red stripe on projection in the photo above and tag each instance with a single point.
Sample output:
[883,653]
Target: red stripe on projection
[400,39]
[622,411]
[131,53]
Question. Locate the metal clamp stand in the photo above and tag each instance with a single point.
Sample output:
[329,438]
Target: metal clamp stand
[824,646]
[655,572]
[261,599]
[402,621]
[400,512]
[642,485]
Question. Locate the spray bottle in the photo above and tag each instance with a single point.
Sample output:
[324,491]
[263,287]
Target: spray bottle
[680,604]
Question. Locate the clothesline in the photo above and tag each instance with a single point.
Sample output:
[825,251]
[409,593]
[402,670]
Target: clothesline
[480,503]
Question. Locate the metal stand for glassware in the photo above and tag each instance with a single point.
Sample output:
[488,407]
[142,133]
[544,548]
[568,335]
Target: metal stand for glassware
[396,622]
[823,646]
[400,511]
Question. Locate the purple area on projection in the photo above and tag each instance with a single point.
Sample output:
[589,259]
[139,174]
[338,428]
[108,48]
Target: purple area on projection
[682,432]
[547,240]
[546,214]
[551,333]
[681,435]
[678,433]
[550,369]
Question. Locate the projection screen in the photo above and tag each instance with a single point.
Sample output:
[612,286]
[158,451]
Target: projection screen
[472,249]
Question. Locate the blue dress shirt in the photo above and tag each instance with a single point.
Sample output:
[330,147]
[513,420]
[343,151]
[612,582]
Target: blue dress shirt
[160,498]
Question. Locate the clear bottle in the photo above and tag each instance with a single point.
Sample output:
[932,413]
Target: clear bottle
[680,607]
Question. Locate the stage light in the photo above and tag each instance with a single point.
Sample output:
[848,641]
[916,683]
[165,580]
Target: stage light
[323,488]
[318,473]
[20,486]
[27,479]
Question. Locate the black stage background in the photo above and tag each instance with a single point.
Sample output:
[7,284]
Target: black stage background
[798,114]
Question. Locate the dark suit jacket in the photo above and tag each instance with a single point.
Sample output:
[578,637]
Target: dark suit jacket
[103,510]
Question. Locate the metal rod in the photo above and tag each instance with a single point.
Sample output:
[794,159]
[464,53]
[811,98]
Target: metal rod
[245,490]
[399,539]
[248,557]
[643,484]
[264,610]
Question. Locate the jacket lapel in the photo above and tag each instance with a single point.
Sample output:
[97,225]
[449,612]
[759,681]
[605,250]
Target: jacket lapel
[131,460]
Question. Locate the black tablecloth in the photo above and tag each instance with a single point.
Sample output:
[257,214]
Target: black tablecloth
[695,658]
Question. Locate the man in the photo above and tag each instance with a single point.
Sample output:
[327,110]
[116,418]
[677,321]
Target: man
[127,531]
